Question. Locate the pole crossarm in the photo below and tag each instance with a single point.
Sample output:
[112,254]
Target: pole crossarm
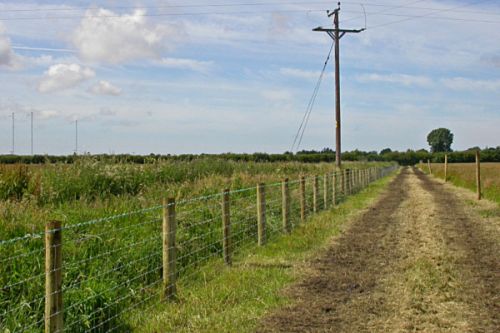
[339,30]
[332,32]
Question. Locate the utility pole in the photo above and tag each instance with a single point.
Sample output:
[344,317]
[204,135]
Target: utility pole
[31,133]
[76,136]
[13,133]
[336,34]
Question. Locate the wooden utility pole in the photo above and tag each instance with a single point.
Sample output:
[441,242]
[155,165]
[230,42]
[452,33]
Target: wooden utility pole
[336,34]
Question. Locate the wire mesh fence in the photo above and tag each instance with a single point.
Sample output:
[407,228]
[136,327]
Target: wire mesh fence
[88,277]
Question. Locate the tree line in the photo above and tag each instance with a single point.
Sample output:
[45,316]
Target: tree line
[409,157]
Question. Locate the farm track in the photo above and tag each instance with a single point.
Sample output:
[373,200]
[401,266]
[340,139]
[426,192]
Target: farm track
[421,259]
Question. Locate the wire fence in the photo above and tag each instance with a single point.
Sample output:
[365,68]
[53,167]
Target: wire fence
[90,276]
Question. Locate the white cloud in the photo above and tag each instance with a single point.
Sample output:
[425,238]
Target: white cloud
[63,76]
[7,56]
[277,95]
[300,73]
[105,88]
[461,83]
[190,64]
[107,112]
[104,36]
[404,79]
[48,114]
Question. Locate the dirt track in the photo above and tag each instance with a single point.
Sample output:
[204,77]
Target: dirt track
[421,259]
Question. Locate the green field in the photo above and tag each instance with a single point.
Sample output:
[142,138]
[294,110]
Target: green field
[111,214]
[464,175]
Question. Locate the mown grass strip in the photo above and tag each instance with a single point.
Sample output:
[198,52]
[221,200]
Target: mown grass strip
[221,299]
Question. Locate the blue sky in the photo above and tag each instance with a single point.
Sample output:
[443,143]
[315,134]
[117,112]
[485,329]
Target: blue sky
[149,76]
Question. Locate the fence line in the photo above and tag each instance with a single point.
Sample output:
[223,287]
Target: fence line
[446,177]
[95,272]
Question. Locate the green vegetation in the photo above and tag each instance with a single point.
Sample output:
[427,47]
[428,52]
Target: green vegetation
[111,263]
[440,140]
[409,157]
[222,299]
[464,175]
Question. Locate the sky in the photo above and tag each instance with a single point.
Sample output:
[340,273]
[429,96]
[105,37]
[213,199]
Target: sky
[214,76]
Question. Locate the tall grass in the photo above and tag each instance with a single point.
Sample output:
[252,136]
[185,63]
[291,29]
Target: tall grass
[464,175]
[105,262]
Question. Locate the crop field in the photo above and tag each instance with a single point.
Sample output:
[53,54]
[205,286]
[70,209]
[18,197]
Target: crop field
[111,217]
[464,175]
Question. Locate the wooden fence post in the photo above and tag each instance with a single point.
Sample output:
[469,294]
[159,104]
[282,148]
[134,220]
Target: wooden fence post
[478,175]
[316,194]
[334,188]
[261,214]
[445,168]
[285,208]
[429,166]
[226,227]
[53,278]
[326,189]
[347,185]
[169,249]
[302,199]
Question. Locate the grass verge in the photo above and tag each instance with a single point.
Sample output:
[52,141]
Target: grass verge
[221,299]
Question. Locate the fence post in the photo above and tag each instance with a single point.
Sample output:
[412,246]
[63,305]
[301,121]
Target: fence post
[445,168]
[429,166]
[346,182]
[478,175]
[226,227]
[169,249]
[302,199]
[334,188]
[358,179]
[53,277]
[261,214]
[326,188]
[285,208]
[316,194]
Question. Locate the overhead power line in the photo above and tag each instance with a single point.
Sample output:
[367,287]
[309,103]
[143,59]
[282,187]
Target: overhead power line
[201,5]
[309,10]
[305,119]
[433,12]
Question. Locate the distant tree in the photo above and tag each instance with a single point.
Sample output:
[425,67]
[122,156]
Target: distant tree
[385,151]
[440,140]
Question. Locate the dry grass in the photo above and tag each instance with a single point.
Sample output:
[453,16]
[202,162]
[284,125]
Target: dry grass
[464,175]
[421,260]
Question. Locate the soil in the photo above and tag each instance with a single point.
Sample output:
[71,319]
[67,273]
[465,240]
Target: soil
[422,258]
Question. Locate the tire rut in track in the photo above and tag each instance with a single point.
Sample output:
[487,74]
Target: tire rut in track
[478,247]
[418,260]
[343,278]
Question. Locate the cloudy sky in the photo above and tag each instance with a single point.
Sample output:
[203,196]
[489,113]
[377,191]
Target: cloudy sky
[216,76]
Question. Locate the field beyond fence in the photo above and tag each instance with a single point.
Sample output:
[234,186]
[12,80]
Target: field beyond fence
[464,175]
[90,276]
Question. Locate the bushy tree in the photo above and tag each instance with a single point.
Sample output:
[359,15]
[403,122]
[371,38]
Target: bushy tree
[385,151]
[440,140]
